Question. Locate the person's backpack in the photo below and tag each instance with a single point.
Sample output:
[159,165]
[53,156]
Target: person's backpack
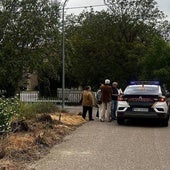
[99,96]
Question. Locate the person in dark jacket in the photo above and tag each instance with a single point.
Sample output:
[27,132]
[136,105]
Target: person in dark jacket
[115,94]
[106,98]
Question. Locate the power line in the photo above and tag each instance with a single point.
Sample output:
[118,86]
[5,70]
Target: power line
[85,6]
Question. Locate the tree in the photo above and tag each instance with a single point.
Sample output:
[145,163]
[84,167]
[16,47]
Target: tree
[157,64]
[29,33]
[112,44]
[88,47]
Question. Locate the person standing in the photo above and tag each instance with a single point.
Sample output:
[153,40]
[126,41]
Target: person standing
[114,103]
[106,98]
[99,102]
[87,102]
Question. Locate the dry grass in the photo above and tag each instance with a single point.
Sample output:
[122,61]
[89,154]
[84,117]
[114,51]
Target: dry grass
[18,149]
[69,119]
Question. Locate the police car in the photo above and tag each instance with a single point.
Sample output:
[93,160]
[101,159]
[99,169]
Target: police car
[144,99]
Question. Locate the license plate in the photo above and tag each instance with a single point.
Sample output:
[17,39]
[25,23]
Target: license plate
[140,109]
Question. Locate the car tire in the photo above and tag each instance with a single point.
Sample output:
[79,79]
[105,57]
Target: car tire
[164,123]
[120,121]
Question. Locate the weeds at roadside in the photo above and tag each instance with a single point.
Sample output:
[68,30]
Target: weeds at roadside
[43,131]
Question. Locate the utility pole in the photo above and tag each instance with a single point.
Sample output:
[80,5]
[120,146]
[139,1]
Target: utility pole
[63,55]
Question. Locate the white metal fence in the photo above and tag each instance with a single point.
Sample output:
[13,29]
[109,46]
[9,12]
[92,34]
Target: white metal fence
[71,97]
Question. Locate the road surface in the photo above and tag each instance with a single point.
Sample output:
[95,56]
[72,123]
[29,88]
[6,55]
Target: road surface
[102,145]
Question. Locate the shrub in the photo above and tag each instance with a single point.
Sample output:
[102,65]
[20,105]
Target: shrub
[9,107]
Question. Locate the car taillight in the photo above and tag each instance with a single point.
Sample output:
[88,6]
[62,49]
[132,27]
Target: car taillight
[162,99]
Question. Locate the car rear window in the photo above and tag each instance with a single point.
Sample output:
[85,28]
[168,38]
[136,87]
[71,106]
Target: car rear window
[142,90]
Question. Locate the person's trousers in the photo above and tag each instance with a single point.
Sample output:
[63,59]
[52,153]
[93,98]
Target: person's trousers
[113,109]
[106,109]
[85,110]
[99,110]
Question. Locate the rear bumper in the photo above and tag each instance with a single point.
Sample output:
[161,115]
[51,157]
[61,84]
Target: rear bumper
[148,115]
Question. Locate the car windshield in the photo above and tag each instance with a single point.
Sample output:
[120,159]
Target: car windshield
[142,90]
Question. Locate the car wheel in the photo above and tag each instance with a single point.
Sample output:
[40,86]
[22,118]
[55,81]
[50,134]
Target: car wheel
[164,123]
[120,121]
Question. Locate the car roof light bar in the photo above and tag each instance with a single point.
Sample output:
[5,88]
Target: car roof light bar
[144,82]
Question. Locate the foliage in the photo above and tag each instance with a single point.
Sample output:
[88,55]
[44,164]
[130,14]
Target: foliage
[91,48]
[157,64]
[29,110]
[113,44]
[120,44]
[12,108]
[9,108]
[29,34]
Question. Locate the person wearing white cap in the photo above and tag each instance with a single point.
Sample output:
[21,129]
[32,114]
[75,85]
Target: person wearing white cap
[106,98]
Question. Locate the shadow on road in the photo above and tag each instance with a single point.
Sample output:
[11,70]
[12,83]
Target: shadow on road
[142,123]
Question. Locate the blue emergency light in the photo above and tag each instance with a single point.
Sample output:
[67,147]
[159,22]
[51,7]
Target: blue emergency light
[144,82]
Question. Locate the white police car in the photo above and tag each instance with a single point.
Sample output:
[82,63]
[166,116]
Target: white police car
[143,99]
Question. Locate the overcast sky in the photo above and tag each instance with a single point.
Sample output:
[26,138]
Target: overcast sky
[163,5]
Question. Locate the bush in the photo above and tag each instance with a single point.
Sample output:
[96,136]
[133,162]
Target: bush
[9,107]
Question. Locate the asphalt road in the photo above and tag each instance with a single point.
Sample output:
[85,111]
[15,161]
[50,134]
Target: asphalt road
[108,146]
